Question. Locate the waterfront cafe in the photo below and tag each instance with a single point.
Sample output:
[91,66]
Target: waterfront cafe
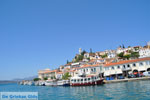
[121,69]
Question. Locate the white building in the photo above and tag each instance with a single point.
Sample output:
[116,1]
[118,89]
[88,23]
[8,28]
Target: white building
[119,50]
[111,53]
[124,67]
[144,52]
[90,69]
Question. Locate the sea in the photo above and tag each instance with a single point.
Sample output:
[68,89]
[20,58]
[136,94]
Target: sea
[137,90]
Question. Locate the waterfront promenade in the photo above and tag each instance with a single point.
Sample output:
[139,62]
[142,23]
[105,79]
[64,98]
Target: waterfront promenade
[126,80]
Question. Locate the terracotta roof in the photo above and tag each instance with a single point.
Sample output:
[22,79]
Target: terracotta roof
[50,71]
[68,64]
[89,66]
[59,72]
[126,61]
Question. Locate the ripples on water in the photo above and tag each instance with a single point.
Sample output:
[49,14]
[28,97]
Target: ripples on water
[139,90]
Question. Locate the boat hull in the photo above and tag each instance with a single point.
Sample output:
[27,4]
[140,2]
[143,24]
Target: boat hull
[99,82]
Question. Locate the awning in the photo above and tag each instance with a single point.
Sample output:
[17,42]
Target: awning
[118,72]
[141,69]
[106,73]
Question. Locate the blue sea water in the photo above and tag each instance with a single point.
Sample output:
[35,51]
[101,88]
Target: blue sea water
[138,90]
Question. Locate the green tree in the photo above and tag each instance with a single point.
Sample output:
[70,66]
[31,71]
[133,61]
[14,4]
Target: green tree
[123,46]
[66,76]
[121,55]
[127,56]
[135,55]
[67,61]
[90,50]
[36,79]
[45,78]
[88,58]
[104,56]
[83,52]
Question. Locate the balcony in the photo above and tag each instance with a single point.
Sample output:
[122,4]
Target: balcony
[126,68]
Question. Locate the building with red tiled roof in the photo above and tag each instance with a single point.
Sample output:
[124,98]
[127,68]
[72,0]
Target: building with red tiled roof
[47,73]
[126,67]
[90,69]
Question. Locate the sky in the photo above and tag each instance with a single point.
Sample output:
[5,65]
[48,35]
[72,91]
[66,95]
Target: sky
[39,34]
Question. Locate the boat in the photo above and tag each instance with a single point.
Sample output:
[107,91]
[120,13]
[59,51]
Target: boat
[63,83]
[41,83]
[31,83]
[86,81]
[51,83]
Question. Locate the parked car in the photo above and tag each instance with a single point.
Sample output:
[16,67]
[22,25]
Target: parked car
[131,76]
[120,77]
[146,73]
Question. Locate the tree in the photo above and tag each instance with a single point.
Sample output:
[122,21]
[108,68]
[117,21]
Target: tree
[53,77]
[79,58]
[88,58]
[103,56]
[123,46]
[66,76]
[121,55]
[67,61]
[90,50]
[83,52]
[45,78]
[135,54]
[127,56]
[36,79]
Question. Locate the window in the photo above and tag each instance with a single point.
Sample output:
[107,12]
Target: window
[112,67]
[87,70]
[118,67]
[85,79]
[89,79]
[134,65]
[75,80]
[94,69]
[84,70]
[107,68]
[124,66]
[100,68]
[78,80]
[128,66]
[141,64]
[147,63]
[81,79]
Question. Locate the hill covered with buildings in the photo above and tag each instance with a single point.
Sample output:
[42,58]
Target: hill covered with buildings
[109,63]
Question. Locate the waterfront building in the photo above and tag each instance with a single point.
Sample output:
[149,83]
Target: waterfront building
[85,70]
[59,75]
[47,73]
[41,73]
[123,68]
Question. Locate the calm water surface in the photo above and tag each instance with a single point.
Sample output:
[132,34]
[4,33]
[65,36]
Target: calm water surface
[139,90]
